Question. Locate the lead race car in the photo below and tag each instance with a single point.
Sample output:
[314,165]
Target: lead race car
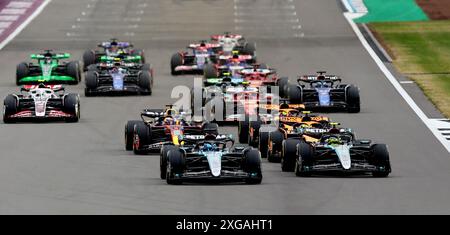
[113,48]
[212,158]
[49,69]
[337,150]
[319,92]
[119,76]
[234,42]
[41,102]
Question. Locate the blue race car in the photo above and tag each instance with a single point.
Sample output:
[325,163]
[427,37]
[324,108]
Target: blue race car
[319,92]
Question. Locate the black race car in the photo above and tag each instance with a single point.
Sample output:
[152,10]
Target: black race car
[337,150]
[212,158]
[319,92]
[112,48]
[160,127]
[119,77]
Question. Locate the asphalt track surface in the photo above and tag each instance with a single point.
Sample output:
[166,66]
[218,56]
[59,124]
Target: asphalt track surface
[82,168]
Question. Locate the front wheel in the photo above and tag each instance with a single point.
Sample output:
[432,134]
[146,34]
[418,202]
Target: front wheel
[129,134]
[381,161]
[72,107]
[252,166]
[142,137]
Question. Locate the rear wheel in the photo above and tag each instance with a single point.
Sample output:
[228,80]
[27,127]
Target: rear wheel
[381,161]
[176,166]
[353,100]
[72,106]
[89,58]
[276,138]
[91,80]
[164,159]
[288,155]
[283,84]
[22,71]
[252,166]
[252,139]
[129,134]
[177,60]
[263,143]
[305,155]
[142,137]
[145,82]
[243,131]
[10,108]
[295,95]
[210,71]
[73,70]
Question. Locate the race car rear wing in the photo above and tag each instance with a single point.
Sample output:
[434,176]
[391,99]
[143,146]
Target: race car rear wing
[55,88]
[320,78]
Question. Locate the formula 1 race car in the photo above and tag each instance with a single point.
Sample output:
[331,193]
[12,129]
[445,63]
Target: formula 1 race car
[212,159]
[119,77]
[195,59]
[49,69]
[41,103]
[160,127]
[232,64]
[234,42]
[324,92]
[337,150]
[115,49]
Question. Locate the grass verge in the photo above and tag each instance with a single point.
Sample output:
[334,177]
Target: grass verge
[421,51]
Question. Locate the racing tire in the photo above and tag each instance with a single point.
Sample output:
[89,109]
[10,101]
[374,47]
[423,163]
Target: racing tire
[142,137]
[381,160]
[255,125]
[175,61]
[145,82]
[276,138]
[89,58]
[93,68]
[243,131]
[177,165]
[252,166]
[147,67]
[73,70]
[164,159]
[129,134]
[210,71]
[353,100]
[211,128]
[263,143]
[288,155]
[10,108]
[305,156]
[91,80]
[22,71]
[72,106]
[283,84]
[295,94]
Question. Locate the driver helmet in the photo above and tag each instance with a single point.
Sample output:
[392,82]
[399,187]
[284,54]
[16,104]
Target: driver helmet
[169,121]
[333,140]
[207,147]
[114,47]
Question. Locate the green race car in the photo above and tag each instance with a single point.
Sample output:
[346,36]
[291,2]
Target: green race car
[49,69]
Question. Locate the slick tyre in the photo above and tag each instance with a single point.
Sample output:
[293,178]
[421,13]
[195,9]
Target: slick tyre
[72,106]
[175,61]
[22,71]
[381,161]
[252,166]
[353,100]
[164,158]
[276,138]
[73,70]
[142,137]
[288,155]
[10,108]
[129,134]
[210,71]
[305,155]
[176,166]
[89,58]
[145,82]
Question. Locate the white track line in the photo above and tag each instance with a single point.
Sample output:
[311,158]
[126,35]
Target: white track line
[24,24]
[428,122]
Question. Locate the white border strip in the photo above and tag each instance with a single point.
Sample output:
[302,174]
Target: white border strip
[24,24]
[429,123]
